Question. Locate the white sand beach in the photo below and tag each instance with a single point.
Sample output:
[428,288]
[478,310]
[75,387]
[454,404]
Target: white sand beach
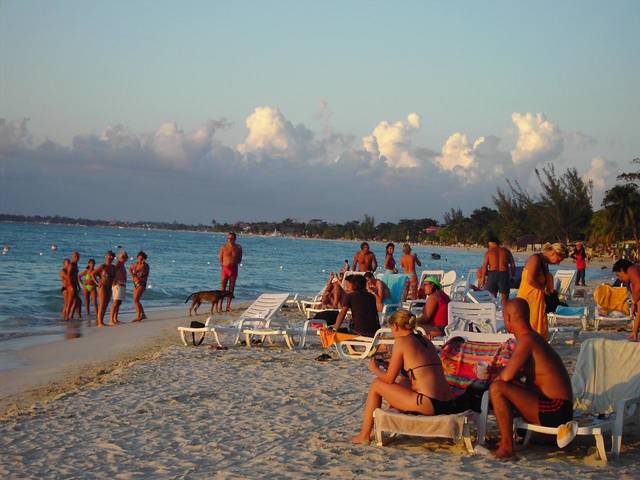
[133,402]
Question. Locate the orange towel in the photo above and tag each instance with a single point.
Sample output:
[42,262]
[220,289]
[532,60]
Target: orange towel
[610,298]
[329,337]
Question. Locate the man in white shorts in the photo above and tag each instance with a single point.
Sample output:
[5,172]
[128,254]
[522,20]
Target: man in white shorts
[119,289]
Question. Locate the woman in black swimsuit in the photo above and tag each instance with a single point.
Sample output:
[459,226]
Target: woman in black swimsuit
[427,393]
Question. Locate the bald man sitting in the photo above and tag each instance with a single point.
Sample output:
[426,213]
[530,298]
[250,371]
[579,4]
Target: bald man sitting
[546,397]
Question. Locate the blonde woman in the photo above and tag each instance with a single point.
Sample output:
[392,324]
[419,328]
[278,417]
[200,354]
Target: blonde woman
[427,392]
[536,279]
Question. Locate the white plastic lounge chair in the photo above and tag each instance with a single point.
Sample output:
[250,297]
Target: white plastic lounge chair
[259,313]
[567,313]
[606,381]
[477,317]
[361,347]
[462,286]
[396,284]
[438,274]
[605,313]
[448,281]
[480,296]
[563,283]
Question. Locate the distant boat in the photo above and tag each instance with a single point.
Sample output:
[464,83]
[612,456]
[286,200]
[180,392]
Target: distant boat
[435,256]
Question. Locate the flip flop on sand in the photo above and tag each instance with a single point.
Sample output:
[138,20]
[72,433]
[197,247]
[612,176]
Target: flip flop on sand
[323,358]
[566,433]
[217,347]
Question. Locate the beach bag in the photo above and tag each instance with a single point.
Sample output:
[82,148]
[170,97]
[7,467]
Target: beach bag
[196,324]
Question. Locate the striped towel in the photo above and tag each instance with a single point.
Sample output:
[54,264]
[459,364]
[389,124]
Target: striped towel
[460,357]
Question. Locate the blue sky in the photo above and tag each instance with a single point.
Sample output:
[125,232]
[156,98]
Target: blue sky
[75,68]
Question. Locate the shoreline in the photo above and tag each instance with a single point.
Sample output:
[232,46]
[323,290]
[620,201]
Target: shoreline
[46,370]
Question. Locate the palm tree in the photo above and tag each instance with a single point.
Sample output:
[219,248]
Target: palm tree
[622,204]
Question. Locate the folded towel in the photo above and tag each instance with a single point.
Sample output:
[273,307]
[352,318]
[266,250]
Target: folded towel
[329,337]
[610,298]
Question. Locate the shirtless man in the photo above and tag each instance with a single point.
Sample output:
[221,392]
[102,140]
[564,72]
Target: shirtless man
[626,271]
[546,397]
[105,274]
[119,288]
[497,269]
[230,257]
[365,260]
[408,262]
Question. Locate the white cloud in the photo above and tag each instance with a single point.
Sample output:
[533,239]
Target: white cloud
[468,161]
[14,135]
[392,142]
[538,139]
[602,173]
[272,135]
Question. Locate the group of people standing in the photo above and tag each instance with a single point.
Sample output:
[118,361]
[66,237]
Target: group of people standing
[101,285]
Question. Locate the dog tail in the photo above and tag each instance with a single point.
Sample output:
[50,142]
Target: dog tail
[188,298]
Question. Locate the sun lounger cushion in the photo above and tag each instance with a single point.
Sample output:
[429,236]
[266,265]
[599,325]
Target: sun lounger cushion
[570,311]
[616,375]
[443,426]
[460,357]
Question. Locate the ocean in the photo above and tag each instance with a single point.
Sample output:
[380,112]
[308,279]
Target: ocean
[181,263]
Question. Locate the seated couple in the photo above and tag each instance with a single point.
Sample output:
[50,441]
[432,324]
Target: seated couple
[545,398]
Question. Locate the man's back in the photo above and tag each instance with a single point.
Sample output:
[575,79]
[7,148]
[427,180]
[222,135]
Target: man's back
[505,259]
[546,369]
[364,314]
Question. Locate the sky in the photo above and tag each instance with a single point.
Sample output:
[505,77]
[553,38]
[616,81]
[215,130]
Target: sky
[263,110]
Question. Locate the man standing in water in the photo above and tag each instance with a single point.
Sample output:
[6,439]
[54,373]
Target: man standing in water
[119,289]
[365,260]
[230,257]
[497,269]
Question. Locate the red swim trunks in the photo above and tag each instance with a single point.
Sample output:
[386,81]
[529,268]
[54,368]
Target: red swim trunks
[229,270]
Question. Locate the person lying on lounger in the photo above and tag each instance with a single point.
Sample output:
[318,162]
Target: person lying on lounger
[546,397]
[427,391]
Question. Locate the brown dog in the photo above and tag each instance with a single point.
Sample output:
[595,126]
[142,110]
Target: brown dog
[213,296]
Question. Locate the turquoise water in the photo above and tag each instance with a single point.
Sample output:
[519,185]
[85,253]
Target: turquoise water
[181,263]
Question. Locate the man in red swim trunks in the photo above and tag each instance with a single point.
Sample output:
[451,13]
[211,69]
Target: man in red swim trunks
[230,257]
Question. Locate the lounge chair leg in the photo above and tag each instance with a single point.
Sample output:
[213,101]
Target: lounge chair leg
[466,436]
[183,339]
[378,434]
[247,339]
[527,438]
[482,421]
[215,337]
[600,446]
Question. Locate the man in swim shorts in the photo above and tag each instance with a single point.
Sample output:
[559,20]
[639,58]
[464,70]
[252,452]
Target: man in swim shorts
[119,289]
[546,397]
[497,269]
[365,260]
[230,257]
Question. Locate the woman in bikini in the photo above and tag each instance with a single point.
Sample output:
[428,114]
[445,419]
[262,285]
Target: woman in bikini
[67,289]
[427,391]
[139,274]
[389,261]
[89,285]
[408,262]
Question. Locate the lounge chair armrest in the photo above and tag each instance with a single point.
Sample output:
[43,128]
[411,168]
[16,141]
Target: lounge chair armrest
[622,405]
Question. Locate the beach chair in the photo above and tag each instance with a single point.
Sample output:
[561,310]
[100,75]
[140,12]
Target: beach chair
[612,305]
[259,313]
[563,283]
[462,286]
[567,313]
[357,347]
[448,281]
[476,317]
[459,359]
[480,296]
[396,284]
[438,274]
[606,392]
